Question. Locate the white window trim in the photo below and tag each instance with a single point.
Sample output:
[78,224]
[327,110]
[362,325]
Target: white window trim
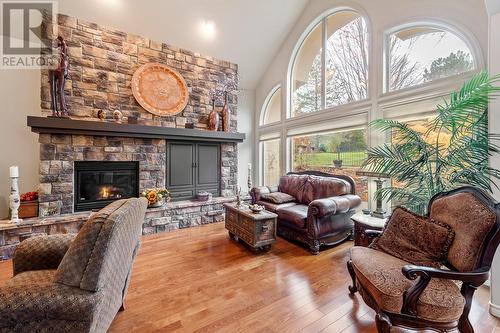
[265,106]
[469,41]
[377,102]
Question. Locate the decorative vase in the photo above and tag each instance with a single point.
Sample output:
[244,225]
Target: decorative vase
[213,118]
[158,203]
[226,115]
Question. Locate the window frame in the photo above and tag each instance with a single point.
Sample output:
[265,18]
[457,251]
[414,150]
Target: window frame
[470,42]
[265,106]
[322,20]
[378,103]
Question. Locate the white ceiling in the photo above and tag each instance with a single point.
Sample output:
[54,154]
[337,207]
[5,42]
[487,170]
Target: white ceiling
[247,32]
[492,6]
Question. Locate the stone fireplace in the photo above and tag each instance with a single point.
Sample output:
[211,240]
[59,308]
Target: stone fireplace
[98,183]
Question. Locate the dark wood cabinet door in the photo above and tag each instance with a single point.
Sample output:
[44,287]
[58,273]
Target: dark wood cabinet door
[192,168]
[207,165]
[180,169]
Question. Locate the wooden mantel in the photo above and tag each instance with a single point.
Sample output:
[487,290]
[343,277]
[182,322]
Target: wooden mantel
[49,125]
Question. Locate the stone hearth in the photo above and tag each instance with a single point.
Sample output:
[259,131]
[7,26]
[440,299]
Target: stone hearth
[172,216]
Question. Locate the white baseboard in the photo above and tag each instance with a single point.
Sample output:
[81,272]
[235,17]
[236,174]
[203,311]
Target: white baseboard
[495,310]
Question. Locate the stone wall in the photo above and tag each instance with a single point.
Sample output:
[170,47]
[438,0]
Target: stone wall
[59,151]
[172,216]
[103,60]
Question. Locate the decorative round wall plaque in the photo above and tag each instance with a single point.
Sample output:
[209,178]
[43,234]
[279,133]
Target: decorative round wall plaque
[159,89]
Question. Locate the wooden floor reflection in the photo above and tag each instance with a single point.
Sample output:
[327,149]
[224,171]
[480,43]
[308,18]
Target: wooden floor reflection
[198,280]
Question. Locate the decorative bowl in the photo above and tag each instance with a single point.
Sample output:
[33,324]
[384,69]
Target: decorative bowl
[256,208]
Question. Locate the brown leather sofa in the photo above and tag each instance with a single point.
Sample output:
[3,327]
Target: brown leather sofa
[319,212]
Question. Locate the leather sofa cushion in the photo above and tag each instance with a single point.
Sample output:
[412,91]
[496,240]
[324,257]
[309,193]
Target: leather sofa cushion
[278,197]
[414,238]
[379,274]
[297,215]
[294,185]
[272,207]
[318,187]
[471,220]
[306,188]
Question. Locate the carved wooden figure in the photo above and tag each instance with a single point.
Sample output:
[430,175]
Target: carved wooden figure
[57,80]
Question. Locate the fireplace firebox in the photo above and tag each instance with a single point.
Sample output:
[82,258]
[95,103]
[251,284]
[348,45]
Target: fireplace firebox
[99,183]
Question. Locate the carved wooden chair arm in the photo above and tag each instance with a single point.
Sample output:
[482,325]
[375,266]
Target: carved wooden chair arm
[373,233]
[473,279]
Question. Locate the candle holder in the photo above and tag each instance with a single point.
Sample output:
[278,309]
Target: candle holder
[379,212]
[14,199]
[249,178]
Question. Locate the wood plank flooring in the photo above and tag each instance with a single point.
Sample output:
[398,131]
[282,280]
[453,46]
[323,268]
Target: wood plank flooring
[198,280]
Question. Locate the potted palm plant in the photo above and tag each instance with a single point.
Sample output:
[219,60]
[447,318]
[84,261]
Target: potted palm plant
[452,151]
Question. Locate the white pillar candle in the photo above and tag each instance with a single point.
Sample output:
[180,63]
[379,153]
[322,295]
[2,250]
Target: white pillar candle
[14,171]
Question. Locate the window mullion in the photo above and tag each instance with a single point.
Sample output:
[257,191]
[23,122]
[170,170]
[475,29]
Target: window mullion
[323,62]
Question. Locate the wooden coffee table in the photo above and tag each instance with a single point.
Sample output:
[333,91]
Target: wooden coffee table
[257,230]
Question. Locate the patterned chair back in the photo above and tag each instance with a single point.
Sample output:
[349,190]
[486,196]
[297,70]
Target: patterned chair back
[102,253]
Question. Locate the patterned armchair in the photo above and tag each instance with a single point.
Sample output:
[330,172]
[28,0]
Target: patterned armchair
[429,296]
[74,283]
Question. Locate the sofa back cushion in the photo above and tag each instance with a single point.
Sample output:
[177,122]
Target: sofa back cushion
[306,188]
[318,187]
[414,238]
[102,252]
[471,220]
[293,185]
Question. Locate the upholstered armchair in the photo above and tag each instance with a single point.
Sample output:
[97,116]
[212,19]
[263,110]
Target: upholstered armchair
[435,294]
[74,283]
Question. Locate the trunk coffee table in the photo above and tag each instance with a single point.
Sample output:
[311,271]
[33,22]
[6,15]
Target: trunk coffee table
[258,230]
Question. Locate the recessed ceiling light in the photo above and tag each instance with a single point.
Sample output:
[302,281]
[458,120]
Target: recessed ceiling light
[207,29]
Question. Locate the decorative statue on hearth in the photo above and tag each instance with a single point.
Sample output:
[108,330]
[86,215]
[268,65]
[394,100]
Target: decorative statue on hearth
[57,80]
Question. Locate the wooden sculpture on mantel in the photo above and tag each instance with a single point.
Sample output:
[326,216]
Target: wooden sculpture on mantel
[160,90]
[57,80]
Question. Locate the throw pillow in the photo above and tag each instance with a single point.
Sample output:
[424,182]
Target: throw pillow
[278,197]
[414,238]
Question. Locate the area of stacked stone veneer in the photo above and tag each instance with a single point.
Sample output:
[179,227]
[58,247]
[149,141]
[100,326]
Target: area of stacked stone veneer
[102,62]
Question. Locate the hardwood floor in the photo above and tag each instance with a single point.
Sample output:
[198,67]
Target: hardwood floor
[198,280]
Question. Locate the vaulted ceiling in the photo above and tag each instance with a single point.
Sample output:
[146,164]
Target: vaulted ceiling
[248,33]
[492,6]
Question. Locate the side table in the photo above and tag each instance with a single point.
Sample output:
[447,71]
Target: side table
[364,223]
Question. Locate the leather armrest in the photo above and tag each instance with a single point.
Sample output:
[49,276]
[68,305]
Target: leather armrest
[41,252]
[333,205]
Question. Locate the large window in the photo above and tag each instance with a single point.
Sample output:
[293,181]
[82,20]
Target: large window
[331,66]
[422,54]
[340,152]
[327,100]
[272,109]
[270,158]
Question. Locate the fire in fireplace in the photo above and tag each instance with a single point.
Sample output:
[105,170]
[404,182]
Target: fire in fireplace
[99,183]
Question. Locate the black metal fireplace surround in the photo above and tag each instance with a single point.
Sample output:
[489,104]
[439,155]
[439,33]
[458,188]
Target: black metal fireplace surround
[99,183]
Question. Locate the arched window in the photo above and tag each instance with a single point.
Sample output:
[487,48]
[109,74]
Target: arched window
[331,66]
[424,53]
[272,107]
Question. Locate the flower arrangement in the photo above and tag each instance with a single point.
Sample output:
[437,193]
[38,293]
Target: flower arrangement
[156,196]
